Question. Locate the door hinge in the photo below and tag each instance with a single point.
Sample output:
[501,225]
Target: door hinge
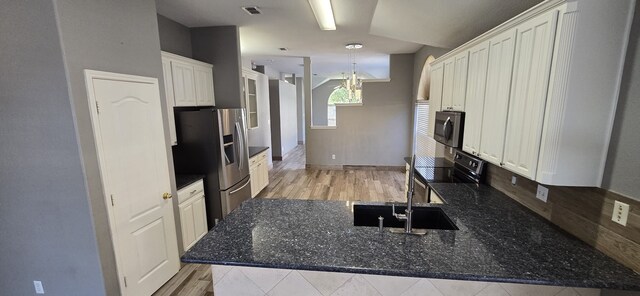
[112,202]
[97,107]
[125,281]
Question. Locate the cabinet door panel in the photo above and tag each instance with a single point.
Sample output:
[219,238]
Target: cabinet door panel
[187,226]
[474,102]
[534,47]
[496,100]
[460,81]
[183,84]
[435,95]
[199,218]
[447,84]
[204,85]
[168,90]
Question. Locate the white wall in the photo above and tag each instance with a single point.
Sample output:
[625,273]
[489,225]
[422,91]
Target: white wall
[300,104]
[376,133]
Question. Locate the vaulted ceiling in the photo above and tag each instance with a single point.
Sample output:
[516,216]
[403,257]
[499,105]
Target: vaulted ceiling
[383,26]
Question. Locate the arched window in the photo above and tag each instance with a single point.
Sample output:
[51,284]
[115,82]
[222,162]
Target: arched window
[340,96]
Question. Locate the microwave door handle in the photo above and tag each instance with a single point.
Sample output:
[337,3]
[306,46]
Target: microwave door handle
[445,129]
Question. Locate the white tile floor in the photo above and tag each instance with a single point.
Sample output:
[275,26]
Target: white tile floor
[252,281]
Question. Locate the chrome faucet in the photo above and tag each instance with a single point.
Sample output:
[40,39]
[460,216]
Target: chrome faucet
[408,213]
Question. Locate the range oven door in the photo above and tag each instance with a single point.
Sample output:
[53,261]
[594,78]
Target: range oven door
[448,128]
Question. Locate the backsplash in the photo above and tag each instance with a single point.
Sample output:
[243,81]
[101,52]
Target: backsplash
[585,212]
[582,211]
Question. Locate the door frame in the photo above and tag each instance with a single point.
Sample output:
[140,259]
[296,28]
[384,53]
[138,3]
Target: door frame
[90,75]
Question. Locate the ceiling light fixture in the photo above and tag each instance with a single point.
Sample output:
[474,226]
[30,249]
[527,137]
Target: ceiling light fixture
[352,83]
[324,14]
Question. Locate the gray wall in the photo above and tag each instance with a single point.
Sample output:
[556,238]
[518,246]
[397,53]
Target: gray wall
[220,46]
[284,132]
[300,104]
[174,37]
[55,180]
[319,101]
[45,216]
[377,133]
[129,44]
[261,136]
[623,163]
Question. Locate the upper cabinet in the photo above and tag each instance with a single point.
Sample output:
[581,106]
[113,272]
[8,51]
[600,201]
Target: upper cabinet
[496,98]
[540,90]
[168,91]
[455,82]
[474,105]
[250,91]
[203,85]
[187,83]
[529,81]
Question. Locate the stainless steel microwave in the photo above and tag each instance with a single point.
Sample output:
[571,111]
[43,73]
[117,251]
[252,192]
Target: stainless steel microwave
[448,128]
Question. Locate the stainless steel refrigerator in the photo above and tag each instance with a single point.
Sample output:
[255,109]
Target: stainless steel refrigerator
[213,142]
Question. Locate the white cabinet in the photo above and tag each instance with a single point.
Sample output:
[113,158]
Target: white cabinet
[203,85]
[435,94]
[184,85]
[546,115]
[460,81]
[496,99]
[476,83]
[259,171]
[530,78]
[193,214]
[168,90]
[251,94]
[455,82]
[192,81]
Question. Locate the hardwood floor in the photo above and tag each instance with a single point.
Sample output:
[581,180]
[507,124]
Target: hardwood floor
[290,179]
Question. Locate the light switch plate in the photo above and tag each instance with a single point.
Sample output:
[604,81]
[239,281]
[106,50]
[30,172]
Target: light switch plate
[333,156]
[542,193]
[620,213]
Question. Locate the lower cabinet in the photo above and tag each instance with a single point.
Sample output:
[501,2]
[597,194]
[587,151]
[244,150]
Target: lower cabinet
[259,171]
[193,215]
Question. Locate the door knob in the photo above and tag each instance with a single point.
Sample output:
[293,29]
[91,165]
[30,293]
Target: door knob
[166,195]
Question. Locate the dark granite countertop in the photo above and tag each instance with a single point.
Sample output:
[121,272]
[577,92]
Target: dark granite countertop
[183,181]
[253,150]
[498,240]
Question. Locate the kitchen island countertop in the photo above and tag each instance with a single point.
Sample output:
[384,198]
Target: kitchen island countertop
[498,240]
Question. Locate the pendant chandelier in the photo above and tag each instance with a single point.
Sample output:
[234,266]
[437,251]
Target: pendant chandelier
[352,82]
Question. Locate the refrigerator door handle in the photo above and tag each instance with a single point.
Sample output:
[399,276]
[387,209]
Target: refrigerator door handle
[240,146]
[243,186]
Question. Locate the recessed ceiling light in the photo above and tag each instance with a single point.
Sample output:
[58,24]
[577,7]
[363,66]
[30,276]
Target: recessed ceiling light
[252,10]
[283,49]
[354,46]
[301,65]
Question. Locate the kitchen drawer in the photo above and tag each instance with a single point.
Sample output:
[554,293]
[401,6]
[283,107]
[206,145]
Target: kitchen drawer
[253,160]
[195,189]
[262,155]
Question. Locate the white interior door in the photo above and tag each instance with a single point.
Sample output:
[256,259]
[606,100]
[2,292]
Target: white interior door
[130,140]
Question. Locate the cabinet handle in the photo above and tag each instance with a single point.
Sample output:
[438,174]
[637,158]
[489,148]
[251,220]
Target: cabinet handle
[193,191]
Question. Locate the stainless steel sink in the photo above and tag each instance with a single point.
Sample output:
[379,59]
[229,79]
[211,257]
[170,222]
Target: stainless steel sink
[423,217]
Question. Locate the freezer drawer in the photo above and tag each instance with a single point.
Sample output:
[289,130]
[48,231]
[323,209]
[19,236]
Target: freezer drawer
[234,196]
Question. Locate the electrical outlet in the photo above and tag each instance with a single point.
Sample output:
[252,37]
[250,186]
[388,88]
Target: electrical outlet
[38,286]
[542,193]
[450,150]
[620,213]
[514,179]
[333,156]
